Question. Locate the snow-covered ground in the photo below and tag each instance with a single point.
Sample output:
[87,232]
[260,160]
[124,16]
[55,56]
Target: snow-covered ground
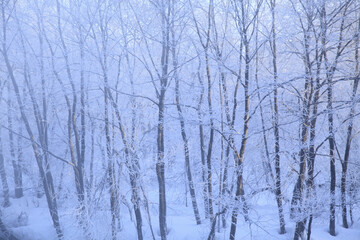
[29,219]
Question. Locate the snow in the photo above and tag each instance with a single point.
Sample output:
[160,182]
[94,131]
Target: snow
[181,224]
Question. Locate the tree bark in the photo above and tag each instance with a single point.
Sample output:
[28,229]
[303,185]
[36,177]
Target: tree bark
[15,161]
[4,181]
[45,174]
[276,125]
[202,147]
[349,132]
[183,132]
[239,195]
[160,165]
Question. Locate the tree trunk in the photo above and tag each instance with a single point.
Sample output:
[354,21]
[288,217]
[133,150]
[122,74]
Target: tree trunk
[160,165]
[160,168]
[239,195]
[312,154]
[4,181]
[183,132]
[297,205]
[276,126]
[15,161]
[349,133]
[202,147]
[330,71]
[211,140]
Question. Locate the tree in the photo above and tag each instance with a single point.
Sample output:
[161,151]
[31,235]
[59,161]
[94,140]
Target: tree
[276,121]
[244,20]
[182,121]
[40,150]
[16,160]
[205,43]
[349,133]
[331,68]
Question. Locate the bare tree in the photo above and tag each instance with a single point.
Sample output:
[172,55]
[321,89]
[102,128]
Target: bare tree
[204,39]
[16,160]
[244,19]
[349,133]
[276,120]
[40,149]
[174,43]
[331,68]
[297,201]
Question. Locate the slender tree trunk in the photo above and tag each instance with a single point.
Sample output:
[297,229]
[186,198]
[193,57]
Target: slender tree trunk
[239,195]
[202,147]
[211,140]
[330,71]
[209,211]
[76,144]
[241,13]
[110,166]
[219,203]
[266,162]
[134,178]
[81,158]
[297,199]
[133,165]
[349,133]
[332,165]
[224,108]
[4,181]
[160,165]
[183,132]
[297,205]
[312,154]
[187,163]
[231,143]
[15,162]
[109,155]
[19,156]
[276,125]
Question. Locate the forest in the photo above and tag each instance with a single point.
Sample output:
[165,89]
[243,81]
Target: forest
[179,119]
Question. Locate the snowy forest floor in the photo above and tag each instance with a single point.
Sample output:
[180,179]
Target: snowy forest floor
[29,219]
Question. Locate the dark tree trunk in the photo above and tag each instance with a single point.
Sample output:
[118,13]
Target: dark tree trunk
[132,164]
[276,126]
[312,154]
[202,147]
[15,161]
[160,165]
[4,181]
[76,136]
[160,168]
[330,71]
[349,133]
[111,170]
[239,195]
[183,132]
[332,184]
[297,206]
[211,140]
